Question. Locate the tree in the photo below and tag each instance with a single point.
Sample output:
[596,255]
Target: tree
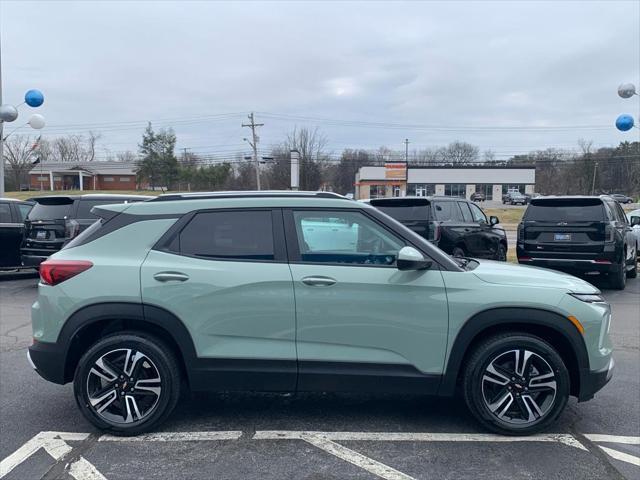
[343,174]
[19,155]
[158,163]
[460,153]
[70,148]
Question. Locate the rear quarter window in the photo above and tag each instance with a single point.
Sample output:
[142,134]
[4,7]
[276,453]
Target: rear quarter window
[448,212]
[588,210]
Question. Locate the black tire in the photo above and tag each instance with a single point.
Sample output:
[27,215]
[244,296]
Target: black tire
[618,279]
[458,252]
[161,360]
[633,273]
[499,346]
[501,253]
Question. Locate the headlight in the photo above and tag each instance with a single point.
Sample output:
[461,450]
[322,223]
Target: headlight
[588,297]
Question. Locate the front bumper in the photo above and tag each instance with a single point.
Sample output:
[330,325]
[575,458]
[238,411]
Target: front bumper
[48,360]
[591,382]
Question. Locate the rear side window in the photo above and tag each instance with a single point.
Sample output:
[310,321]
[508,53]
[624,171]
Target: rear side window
[448,212]
[466,213]
[5,213]
[54,209]
[239,235]
[587,210]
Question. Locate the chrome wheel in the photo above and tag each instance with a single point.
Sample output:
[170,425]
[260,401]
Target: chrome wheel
[519,387]
[123,386]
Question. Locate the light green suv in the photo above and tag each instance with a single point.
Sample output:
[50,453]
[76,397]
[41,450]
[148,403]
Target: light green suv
[302,291]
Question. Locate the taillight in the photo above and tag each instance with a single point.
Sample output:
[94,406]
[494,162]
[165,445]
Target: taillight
[609,231]
[53,272]
[435,232]
[71,228]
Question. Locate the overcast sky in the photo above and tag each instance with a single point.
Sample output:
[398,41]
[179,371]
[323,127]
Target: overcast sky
[501,75]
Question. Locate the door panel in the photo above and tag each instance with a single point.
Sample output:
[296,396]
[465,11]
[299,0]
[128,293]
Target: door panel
[354,307]
[231,309]
[11,232]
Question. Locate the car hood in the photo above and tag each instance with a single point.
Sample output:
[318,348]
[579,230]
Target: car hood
[509,274]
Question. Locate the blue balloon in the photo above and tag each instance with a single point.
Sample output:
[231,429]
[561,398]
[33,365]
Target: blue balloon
[624,122]
[34,98]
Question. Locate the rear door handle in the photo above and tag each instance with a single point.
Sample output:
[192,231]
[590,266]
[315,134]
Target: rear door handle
[319,281]
[171,277]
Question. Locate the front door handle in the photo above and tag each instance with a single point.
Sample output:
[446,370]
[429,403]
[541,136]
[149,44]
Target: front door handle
[171,276]
[319,281]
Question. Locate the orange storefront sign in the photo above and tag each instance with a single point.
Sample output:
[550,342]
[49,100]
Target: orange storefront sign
[395,171]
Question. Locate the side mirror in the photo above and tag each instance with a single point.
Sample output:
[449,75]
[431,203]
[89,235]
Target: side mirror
[411,259]
[493,220]
[635,221]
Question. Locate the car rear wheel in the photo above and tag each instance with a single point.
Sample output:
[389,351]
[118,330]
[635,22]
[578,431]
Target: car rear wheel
[515,384]
[127,383]
[618,279]
[501,253]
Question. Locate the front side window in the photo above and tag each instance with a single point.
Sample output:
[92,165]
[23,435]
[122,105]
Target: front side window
[336,237]
[229,235]
[466,213]
[478,215]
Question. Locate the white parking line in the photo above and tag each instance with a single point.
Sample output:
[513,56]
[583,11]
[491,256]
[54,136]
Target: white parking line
[597,437]
[564,438]
[624,457]
[175,437]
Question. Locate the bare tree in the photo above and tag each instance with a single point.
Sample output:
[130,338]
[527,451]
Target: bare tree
[70,148]
[19,154]
[126,157]
[460,153]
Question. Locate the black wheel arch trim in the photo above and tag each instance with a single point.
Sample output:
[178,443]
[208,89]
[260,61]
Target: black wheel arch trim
[132,312]
[494,317]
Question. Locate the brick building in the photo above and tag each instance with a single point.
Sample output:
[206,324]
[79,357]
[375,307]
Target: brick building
[84,176]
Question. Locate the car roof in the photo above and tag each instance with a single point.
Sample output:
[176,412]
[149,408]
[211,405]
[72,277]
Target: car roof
[186,202]
[93,196]
[413,199]
[15,200]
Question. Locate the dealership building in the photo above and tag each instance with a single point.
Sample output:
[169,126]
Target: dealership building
[397,179]
[84,176]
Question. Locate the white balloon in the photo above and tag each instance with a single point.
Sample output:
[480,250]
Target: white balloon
[8,113]
[36,121]
[627,90]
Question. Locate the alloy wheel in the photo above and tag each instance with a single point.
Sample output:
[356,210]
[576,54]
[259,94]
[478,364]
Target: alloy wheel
[519,387]
[123,386]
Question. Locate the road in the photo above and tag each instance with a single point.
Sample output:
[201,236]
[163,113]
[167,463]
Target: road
[315,437]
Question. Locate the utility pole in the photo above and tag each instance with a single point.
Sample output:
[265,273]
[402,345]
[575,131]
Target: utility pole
[254,145]
[406,150]
[593,182]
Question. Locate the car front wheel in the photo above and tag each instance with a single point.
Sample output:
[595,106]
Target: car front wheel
[516,384]
[127,383]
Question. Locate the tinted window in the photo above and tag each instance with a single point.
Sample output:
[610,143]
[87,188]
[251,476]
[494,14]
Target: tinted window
[478,215]
[5,213]
[448,211]
[588,210]
[23,211]
[410,213]
[85,206]
[243,235]
[51,210]
[466,213]
[344,237]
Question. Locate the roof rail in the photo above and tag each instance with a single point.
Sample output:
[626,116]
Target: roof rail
[244,194]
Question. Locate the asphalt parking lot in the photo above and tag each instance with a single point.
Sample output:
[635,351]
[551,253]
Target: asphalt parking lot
[332,436]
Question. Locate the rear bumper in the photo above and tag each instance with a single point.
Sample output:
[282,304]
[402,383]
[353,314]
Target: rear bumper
[591,382]
[33,260]
[48,360]
[604,262]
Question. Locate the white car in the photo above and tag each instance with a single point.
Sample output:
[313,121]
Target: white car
[634,217]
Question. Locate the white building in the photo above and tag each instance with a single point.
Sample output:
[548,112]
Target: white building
[398,180]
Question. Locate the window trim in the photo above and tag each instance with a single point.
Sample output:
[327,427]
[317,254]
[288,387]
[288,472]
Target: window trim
[165,243]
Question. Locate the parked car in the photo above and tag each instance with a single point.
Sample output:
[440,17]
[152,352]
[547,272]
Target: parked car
[12,215]
[588,235]
[634,220]
[620,198]
[241,291]
[515,198]
[478,197]
[455,225]
[56,219]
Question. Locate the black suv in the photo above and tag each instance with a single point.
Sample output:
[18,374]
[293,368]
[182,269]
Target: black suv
[12,215]
[588,235]
[56,219]
[455,225]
